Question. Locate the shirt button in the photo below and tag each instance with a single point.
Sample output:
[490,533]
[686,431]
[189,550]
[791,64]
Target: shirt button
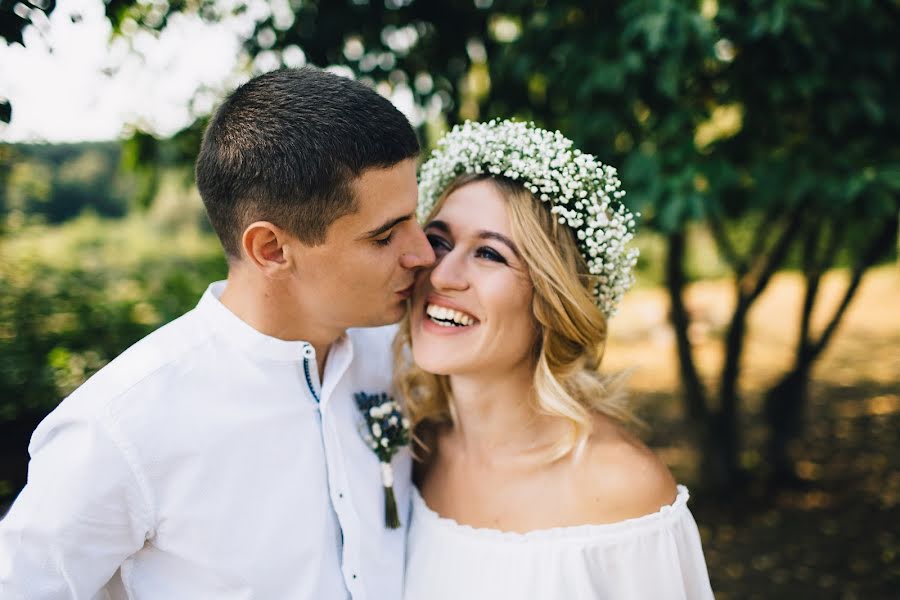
[309,351]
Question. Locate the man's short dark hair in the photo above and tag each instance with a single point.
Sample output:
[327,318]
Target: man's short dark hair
[285,146]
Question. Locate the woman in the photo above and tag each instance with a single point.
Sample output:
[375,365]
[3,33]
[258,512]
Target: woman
[529,487]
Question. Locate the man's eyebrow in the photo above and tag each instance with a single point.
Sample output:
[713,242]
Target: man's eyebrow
[385,227]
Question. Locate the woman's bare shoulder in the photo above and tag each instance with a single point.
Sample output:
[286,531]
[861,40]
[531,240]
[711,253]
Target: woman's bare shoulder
[618,477]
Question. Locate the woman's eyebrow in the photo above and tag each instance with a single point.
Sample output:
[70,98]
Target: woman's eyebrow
[441,225]
[493,235]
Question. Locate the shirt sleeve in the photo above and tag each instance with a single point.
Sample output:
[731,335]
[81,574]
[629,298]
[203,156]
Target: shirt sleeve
[81,514]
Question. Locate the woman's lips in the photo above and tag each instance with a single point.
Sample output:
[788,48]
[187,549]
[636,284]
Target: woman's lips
[439,301]
[444,323]
[431,327]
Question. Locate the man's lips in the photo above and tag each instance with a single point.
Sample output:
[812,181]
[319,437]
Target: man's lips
[407,292]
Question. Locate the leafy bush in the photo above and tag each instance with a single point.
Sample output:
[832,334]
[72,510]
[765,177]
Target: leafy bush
[53,183]
[72,297]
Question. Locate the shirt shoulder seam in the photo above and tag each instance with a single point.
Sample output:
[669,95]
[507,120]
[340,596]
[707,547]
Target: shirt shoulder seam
[107,420]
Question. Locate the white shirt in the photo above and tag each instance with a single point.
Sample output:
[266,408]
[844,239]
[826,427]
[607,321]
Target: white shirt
[199,464]
[654,557]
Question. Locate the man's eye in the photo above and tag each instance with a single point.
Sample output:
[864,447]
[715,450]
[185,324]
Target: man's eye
[385,240]
[490,254]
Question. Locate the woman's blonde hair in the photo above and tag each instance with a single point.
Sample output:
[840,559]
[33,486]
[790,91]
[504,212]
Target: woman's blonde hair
[570,341]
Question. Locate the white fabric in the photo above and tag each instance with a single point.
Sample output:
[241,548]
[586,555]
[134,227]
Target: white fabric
[654,557]
[198,465]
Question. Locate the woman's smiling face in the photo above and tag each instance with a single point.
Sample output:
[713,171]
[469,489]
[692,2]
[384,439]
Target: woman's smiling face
[472,311]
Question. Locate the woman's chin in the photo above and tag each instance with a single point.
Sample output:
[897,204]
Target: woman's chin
[435,362]
[443,350]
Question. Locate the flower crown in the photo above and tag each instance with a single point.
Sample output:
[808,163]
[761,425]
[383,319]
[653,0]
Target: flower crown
[583,193]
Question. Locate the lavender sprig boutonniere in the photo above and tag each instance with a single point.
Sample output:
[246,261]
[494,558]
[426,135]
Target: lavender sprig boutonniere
[387,430]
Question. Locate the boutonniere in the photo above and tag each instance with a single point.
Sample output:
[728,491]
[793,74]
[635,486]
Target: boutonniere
[387,430]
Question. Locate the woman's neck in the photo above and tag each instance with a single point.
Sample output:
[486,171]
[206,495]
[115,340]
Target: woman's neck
[494,417]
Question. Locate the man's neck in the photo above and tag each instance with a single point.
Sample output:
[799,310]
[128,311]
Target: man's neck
[271,310]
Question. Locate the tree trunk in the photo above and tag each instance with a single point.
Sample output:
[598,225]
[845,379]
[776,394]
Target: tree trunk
[725,426]
[716,433]
[784,407]
[786,401]
[694,394]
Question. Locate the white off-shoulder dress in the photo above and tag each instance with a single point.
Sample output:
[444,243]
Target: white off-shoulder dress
[653,557]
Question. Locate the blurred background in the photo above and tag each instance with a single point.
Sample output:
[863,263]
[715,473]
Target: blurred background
[758,138]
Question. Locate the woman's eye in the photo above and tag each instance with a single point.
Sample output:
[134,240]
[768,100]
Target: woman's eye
[490,254]
[438,243]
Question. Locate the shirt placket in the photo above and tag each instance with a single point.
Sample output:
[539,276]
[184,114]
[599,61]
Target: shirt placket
[338,486]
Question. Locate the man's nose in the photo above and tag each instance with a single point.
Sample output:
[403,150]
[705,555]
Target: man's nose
[420,254]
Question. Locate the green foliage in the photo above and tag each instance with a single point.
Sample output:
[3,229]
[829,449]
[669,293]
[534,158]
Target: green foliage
[772,122]
[817,82]
[628,81]
[707,110]
[72,297]
[54,183]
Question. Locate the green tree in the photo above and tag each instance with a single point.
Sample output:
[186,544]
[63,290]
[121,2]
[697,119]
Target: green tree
[776,113]
[817,154]
[28,187]
[56,182]
[779,114]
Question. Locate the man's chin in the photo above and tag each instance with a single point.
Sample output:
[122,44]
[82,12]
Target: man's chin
[389,316]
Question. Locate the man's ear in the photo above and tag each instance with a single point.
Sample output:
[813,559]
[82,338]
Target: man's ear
[263,243]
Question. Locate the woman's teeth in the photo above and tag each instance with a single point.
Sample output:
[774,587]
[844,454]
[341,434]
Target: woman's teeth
[448,317]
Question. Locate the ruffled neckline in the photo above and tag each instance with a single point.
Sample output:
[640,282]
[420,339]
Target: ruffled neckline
[422,512]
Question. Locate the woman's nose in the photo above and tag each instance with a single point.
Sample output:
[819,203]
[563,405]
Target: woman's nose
[449,273]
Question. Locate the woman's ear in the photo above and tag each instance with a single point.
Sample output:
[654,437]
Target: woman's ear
[263,244]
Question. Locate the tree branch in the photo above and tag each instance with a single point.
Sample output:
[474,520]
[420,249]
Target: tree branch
[755,281]
[717,228]
[694,391]
[879,248]
[813,275]
[838,233]
[763,233]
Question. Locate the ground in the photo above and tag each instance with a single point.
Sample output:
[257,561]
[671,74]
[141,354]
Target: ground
[838,536]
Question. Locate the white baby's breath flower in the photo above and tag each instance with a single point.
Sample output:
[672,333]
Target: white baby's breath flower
[385,442]
[549,167]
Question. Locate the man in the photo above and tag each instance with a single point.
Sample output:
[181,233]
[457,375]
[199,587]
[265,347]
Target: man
[221,457]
